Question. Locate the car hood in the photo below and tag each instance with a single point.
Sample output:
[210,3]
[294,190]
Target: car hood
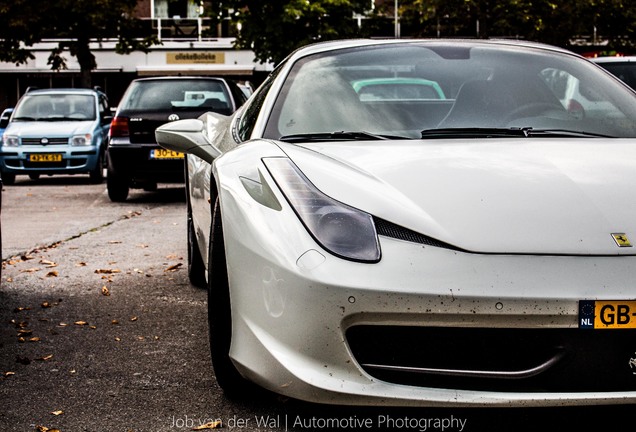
[49,128]
[530,196]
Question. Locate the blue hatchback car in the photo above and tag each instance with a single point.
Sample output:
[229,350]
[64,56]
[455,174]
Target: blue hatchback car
[56,131]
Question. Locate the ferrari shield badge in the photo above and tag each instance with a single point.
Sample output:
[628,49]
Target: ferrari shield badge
[621,240]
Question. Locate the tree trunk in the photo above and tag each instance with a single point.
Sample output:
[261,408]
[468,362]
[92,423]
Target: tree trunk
[86,60]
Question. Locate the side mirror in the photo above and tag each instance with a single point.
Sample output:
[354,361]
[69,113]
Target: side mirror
[187,136]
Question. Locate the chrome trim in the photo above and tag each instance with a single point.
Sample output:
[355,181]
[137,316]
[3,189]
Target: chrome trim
[527,373]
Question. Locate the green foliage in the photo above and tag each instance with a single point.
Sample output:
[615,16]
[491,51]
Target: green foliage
[273,29]
[74,22]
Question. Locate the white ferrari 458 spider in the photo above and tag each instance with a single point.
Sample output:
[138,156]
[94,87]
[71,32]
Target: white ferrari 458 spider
[420,222]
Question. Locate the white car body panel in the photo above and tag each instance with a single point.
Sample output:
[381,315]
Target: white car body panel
[520,197]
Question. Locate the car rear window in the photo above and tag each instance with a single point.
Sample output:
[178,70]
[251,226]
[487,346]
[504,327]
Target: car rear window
[177,95]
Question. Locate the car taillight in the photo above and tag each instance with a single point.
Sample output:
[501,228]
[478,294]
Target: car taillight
[119,127]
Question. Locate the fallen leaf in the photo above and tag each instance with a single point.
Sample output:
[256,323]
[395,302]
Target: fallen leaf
[114,242]
[46,357]
[81,264]
[57,413]
[105,291]
[210,425]
[134,318]
[62,324]
[24,332]
[117,339]
[45,429]
[80,323]
[26,257]
[34,339]
[45,305]
[53,273]
[31,270]
[107,271]
[48,263]
[8,374]
[173,267]
[114,322]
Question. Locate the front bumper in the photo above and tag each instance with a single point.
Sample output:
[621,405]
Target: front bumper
[16,160]
[304,321]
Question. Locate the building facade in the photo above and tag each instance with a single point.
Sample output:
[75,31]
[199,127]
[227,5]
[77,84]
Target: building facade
[189,46]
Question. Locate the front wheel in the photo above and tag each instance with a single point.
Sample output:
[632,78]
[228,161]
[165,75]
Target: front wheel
[96,175]
[8,178]
[220,312]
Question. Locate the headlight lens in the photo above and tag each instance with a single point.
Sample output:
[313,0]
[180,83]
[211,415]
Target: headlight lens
[340,229]
[10,141]
[81,140]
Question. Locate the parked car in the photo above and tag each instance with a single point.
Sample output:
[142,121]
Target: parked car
[479,257]
[4,120]
[623,67]
[56,131]
[135,160]
[398,89]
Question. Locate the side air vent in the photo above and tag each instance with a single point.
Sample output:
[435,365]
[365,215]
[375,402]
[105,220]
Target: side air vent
[392,230]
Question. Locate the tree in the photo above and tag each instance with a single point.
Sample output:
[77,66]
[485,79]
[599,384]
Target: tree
[74,23]
[273,29]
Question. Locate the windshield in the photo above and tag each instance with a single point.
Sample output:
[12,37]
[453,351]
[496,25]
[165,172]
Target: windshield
[404,89]
[55,107]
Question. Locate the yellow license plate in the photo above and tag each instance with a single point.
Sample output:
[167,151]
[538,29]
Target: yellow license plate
[45,157]
[165,154]
[607,314]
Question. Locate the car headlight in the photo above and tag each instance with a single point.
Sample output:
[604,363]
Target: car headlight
[340,229]
[10,141]
[81,140]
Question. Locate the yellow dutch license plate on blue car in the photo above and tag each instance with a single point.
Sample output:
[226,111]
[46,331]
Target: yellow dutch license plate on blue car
[165,154]
[45,157]
[607,314]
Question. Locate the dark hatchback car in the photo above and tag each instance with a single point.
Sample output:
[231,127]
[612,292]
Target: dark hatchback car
[135,160]
[623,67]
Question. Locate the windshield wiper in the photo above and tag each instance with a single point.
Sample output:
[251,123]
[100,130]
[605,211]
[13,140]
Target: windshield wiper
[337,136]
[564,133]
[525,132]
[24,118]
[475,132]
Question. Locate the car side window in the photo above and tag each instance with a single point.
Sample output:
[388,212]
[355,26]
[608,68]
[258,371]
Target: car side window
[250,113]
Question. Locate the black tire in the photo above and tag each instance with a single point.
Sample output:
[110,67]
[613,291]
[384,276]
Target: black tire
[8,178]
[220,313]
[196,268]
[118,187]
[97,174]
